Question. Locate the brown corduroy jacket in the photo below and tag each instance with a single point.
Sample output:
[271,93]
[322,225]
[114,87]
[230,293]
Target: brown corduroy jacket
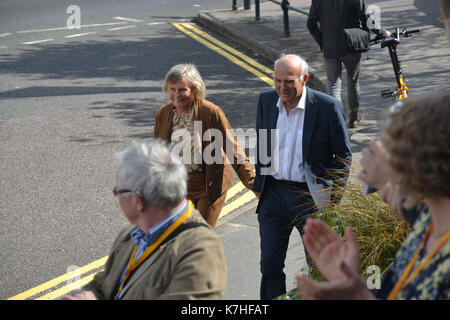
[218,175]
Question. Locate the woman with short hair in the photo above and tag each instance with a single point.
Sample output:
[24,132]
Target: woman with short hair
[203,132]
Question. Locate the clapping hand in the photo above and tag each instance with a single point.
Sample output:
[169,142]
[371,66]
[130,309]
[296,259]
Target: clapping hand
[351,287]
[337,260]
[375,168]
[376,173]
[79,295]
[328,250]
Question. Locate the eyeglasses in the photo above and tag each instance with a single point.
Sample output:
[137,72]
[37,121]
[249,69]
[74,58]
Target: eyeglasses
[116,192]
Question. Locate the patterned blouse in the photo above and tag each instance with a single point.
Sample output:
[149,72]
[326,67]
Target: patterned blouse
[181,123]
[433,282]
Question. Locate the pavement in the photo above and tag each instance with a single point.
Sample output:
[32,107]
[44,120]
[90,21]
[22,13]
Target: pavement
[425,61]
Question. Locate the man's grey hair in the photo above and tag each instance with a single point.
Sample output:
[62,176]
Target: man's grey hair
[303,63]
[154,172]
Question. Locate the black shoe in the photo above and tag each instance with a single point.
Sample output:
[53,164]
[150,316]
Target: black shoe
[354,120]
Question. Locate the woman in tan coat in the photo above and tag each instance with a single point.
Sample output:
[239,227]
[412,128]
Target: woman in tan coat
[205,139]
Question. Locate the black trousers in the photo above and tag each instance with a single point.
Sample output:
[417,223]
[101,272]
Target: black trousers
[283,206]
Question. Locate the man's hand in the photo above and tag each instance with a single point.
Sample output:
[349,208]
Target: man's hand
[79,295]
[329,251]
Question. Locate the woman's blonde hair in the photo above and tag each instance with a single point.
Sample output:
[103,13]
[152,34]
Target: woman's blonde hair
[417,139]
[190,72]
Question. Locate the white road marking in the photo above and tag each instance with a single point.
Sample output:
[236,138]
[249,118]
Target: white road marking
[155,23]
[128,19]
[5,34]
[121,28]
[79,35]
[38,41]
[66,28]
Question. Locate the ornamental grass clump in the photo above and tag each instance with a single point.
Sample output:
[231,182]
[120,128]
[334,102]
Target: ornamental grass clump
[378,230]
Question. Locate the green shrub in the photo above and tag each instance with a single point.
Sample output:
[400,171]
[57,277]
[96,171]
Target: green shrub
[379,232]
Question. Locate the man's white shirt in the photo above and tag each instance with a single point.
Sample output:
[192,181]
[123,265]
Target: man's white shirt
[289,142]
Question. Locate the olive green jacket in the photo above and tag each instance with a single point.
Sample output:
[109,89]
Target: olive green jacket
[189,266]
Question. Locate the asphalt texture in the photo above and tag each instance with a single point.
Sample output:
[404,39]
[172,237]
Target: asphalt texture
[67,105]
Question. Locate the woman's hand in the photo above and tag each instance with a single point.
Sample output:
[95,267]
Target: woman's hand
[80,295]
[328,250]
[350,287]
[375,168]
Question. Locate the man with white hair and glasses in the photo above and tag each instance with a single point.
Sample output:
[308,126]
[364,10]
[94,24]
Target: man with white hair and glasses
[168,251]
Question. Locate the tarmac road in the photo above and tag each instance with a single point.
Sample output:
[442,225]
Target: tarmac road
[67,104]
[70,99]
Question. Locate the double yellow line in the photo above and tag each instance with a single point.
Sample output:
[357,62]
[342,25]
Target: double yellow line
[63,284]
[242,60]
[56,282]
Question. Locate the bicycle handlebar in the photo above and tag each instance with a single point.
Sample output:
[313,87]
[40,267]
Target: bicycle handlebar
[395,39]
[406,33]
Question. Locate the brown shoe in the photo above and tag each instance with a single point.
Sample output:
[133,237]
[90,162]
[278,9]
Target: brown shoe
[354,120]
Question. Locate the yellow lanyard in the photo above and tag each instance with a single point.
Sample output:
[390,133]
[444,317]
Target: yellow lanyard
[132,265]
[404,279]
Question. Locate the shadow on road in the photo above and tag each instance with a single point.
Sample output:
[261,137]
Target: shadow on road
[127,76]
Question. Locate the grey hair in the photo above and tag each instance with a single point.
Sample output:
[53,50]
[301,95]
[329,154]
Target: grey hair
[154,172]
[304,65]
[189,71]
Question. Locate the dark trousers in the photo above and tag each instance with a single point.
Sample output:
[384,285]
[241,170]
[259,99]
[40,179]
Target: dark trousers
[352,62]
[283,206]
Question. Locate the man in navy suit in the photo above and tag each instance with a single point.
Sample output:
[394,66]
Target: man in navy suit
[303,151]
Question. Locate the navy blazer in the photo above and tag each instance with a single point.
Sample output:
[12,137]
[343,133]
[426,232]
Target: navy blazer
[326,146]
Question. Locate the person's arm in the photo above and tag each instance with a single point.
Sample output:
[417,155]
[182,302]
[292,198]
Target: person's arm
[91,291]
[375,169]
[156,128]
[234,152]
[94,289]
[259,125]
[313,24]
[376,173]
[341,148]
[80,295]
